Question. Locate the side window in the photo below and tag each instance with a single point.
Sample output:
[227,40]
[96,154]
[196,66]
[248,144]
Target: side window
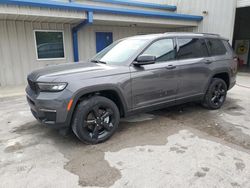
[216,47]
[163,50]
[191,48]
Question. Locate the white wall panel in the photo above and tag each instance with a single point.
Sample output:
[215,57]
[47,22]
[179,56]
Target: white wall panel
[18,52]
[127,20]
[14,12]
[243,3]
[220,17]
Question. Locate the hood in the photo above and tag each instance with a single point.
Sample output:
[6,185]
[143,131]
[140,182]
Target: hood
[61,72]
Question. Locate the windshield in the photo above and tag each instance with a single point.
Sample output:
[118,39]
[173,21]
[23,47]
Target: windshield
[120,52]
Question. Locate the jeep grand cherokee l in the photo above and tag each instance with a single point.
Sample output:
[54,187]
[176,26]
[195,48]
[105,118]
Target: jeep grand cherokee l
[132,75]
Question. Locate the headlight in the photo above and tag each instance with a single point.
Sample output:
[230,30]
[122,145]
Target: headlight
[53,87]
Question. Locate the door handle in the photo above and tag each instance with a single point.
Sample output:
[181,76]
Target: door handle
[170,67]
[208,62]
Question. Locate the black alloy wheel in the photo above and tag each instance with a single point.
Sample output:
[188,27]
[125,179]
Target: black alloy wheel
[216,94]
[95,119]
[219,94]
[99,122]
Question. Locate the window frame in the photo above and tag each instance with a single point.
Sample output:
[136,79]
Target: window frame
[36,50]
[209,51]
[191,37]
[152,42]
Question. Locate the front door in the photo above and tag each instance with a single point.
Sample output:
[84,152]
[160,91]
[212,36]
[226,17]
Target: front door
[103,39]
[156,83]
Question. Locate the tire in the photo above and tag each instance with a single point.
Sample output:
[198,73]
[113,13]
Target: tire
[216,94]
[95,120]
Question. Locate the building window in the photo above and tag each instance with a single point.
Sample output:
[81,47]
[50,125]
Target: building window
[49,44]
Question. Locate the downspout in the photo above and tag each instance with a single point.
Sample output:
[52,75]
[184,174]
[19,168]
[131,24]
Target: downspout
[75,29]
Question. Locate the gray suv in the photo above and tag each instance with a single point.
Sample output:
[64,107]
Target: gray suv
[135,74]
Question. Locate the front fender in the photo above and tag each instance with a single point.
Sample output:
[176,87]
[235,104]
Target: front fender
[92,89]
[103,87]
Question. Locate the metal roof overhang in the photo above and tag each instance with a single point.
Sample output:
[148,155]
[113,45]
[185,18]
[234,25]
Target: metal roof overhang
[121,20]
[135,3]
[101,10]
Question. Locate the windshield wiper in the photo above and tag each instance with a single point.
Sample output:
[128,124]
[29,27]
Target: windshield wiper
[98,61]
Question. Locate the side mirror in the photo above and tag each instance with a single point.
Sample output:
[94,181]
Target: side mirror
[145,60]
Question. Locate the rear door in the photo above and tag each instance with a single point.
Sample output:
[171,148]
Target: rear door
[223,58]
[217,50]
[193,66]
[156,83]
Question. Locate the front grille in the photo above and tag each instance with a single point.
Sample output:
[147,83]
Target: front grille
[32,85]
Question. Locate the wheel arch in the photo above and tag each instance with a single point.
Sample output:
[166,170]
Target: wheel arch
[109,91]
[222,74]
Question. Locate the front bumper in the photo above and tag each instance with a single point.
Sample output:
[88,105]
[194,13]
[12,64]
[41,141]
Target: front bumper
[50,108]
[232,82]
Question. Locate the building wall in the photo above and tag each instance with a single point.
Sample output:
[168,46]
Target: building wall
[18,52]
[27,13]
[219,18]
[243,3]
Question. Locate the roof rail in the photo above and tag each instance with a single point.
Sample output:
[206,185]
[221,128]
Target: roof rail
[211,34]
[195,33]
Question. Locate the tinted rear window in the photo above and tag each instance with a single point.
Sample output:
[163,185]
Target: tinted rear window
[191,48]
[216,47]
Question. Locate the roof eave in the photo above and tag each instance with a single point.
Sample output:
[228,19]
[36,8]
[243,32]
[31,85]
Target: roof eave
[100,9]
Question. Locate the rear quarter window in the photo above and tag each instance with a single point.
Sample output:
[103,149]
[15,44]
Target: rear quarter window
[228,46]
[216,47]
